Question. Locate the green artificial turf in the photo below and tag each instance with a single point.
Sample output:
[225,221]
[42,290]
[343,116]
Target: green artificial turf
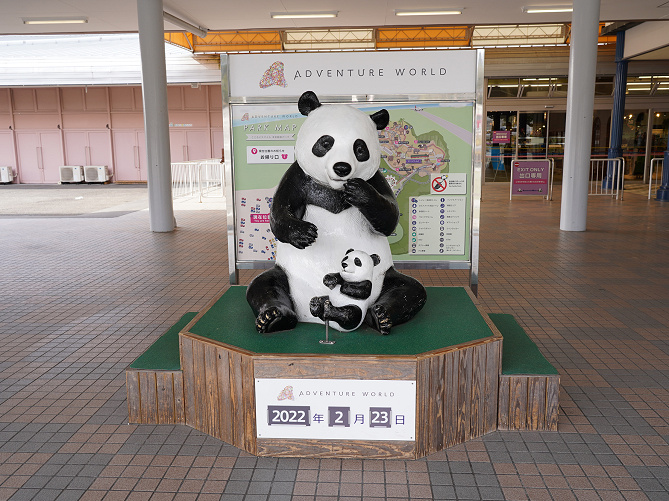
[519,353]
[448,318]
[164,353]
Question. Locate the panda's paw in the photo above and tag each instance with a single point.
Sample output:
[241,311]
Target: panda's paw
[380,319]
[358,192]
[273,319]
[317,306]
[330,280]
[302,235]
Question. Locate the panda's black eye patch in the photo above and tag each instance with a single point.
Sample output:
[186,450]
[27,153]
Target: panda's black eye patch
[360,150]
[322,146]
[357,261]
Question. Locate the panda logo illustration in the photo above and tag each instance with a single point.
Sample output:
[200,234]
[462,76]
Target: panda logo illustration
[354,294]
[331,199]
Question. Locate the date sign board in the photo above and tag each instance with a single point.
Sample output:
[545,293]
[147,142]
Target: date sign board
[339,409]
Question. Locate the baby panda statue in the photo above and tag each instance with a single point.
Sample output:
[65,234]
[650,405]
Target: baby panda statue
[355,291]
[331,199]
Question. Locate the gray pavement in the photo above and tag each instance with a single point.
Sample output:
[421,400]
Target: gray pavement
[95,200]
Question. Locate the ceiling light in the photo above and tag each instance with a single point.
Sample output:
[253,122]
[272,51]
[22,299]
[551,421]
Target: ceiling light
[55,20]
[452,12]
[547,9]
[304,15]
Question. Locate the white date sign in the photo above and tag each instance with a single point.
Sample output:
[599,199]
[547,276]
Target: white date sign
[343,409]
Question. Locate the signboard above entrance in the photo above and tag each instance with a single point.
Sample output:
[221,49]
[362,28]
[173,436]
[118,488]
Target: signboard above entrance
[353,73]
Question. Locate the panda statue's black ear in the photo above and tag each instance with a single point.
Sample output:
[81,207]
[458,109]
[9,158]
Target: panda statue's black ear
[349,251]
[375,259]
[308,102]
[381,119]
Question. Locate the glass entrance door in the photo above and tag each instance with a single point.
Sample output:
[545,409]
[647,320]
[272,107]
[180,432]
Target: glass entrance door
[501,128]
[532,135]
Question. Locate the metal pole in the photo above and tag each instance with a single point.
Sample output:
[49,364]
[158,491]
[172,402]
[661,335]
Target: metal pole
[663,191]
[580,103]
[156,121]
[619,88]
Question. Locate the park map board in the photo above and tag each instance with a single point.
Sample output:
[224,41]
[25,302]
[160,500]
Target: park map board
[426,157]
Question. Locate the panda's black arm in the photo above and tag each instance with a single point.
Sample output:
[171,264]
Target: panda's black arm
[288,206]
[375,199]
[357,290]
[332,279]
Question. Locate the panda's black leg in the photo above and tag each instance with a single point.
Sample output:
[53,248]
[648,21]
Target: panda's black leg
[269,297]
[348,317]
[400,299]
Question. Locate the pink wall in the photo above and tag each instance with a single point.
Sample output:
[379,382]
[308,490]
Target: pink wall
[44,128]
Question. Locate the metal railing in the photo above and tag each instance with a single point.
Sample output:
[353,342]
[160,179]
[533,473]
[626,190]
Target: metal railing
[198,178]
[607,177]
[657,180]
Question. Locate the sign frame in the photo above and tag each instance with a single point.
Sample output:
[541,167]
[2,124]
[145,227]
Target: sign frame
[475,98]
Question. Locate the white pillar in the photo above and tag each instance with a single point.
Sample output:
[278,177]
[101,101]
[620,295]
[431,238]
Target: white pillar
[580,103]
[156,121]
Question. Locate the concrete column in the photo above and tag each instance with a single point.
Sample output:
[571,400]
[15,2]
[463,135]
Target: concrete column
[619,89]
[580,102]
[156,121]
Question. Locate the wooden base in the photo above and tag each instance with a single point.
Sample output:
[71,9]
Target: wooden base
[453,395]
[528,402]
[155,397]
[461,392]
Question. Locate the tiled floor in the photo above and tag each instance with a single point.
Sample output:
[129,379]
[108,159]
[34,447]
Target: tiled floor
[81,297]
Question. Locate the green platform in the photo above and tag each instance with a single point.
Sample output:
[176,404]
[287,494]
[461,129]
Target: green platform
[449,317]
[163,354]
[519,353]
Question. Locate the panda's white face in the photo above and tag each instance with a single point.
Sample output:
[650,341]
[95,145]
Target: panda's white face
[337,143]
[357,266]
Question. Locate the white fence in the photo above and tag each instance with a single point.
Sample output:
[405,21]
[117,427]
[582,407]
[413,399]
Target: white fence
[655,180]
[607,177]
[198,178]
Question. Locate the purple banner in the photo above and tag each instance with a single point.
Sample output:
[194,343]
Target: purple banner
[501,136]
[530,177]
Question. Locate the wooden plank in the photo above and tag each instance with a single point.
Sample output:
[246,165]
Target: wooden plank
[179,407]
[165,397]
[493,368]
[517,402]
[336,449]
[224,395]
[148,399]
[213,421]
[503,405]
[478,391]
[335,367]
[237,399]
[248,405]
[199,385]
[134,401]
[186,351]
[435,420]
[552,404]
[452,376]
[464,394]
[423,396]
[536,403]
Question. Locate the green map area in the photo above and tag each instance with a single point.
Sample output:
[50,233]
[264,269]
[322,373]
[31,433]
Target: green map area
[418,143]
[407,160]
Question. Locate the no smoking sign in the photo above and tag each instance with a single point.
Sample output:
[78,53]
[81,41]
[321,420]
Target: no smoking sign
[439,184]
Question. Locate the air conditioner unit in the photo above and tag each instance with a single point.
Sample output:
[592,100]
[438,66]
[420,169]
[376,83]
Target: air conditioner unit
[6,174]
[71,174]
[96,174]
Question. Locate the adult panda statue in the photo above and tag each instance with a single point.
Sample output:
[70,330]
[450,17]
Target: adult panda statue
[331,199]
